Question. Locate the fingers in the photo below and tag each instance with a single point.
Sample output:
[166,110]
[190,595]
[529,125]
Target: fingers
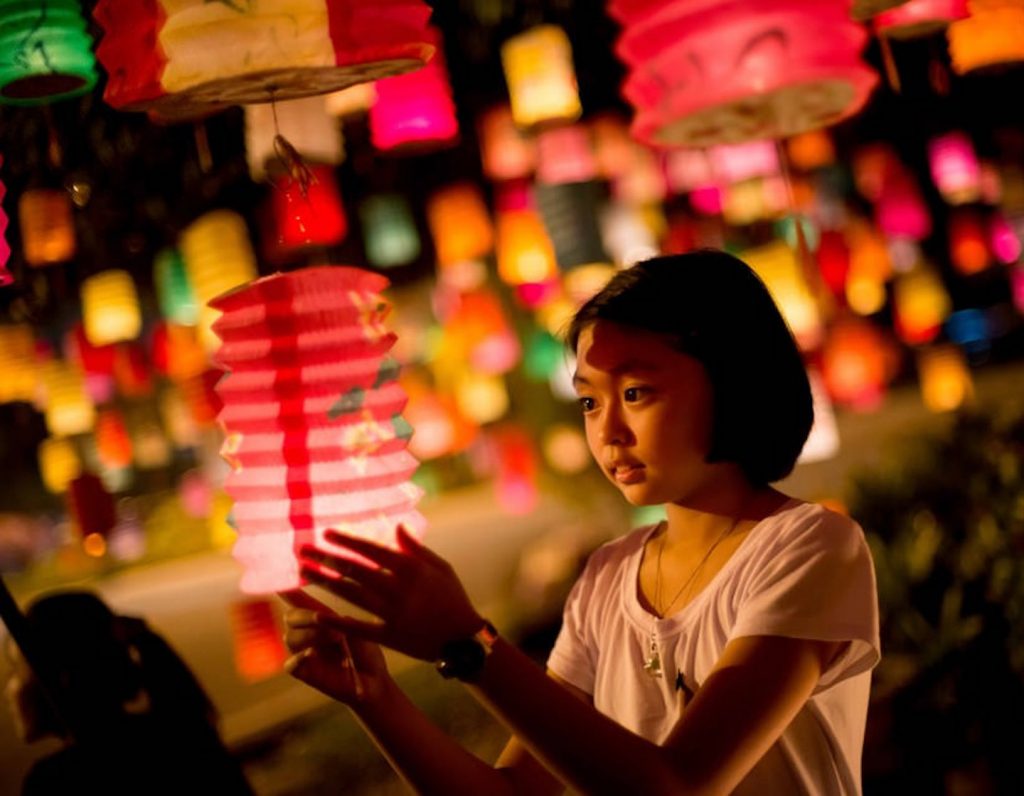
[411,545]
[378,554]
[351,590]
[377,580]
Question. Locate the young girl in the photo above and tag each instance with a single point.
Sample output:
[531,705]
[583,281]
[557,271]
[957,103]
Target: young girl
[727,649]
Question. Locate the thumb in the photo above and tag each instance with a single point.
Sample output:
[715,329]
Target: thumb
[408,543]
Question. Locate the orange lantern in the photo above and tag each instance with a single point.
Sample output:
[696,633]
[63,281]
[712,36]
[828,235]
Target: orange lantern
[968,244]
[259,649]
[856,363]
[47,228]
[920,305]
[811,150]
[460,224]
[993,35]
[946,382]
[110,307]
[870,269]
[505,153]
[525,252]
[177,352]
[540,76]
[112,441]
[17,364]
[59,464]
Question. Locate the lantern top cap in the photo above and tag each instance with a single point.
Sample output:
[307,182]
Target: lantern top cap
[314,279]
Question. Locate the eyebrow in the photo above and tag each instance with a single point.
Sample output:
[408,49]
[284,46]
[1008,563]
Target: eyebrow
[628,366]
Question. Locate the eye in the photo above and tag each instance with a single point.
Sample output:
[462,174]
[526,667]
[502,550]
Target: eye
[632,394]
[586,403]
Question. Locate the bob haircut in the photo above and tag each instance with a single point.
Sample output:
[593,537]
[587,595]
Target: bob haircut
[719,312]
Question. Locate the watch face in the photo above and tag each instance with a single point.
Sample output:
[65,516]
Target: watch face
[462,658]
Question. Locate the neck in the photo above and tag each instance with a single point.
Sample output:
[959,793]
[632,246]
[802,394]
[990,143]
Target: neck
[698,521]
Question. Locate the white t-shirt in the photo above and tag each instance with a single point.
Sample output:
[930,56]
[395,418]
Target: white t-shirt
[803,572]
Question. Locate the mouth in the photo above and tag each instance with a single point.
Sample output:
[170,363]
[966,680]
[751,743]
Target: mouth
[627,473]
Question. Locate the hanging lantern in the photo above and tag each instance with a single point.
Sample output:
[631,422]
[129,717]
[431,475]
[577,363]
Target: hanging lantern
[307,212]
[304,123]
[870,269]
[946,382]
[113,445]
[564,154]
[728,72]
[17,364]
[177,352]
[257,639]
[460,224]
[540,76]
[919,18]
[626,235]
[968,244]
[955,168]
[993,35]
[47,228]
[58,464]
[173,56]
[47,53]
[312,417]
[505,153]
[415,111]
[351,101]
[1005,244]
[389,231]
[570,215]
[110,307]
[516,476]
[833,257]
[173,291]
[95,362]
[479,333]
[525,252]
[131,372]
[777,266]
[901,211]
[482,398]
[920,305]
[811,150]
[218,256]
[68,409]
[856,363]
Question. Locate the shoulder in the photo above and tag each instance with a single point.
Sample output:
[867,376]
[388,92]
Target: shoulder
[810,525]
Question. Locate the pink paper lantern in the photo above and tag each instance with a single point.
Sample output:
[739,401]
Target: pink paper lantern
[955,168]
[919,18]
[726,71]
[312,416]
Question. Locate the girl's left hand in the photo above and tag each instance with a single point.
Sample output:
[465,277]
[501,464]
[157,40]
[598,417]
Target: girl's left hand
[415,592]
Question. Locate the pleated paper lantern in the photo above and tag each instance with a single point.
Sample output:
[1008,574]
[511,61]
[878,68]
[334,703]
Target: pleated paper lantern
[218,257]
[525,252]
[920,305]
[307,213]
[259,649]
[725,72]
[993,35]
[59,464]
[304,123]
[6,277]
[955,168]
[415,111]
[312,417]
[460,224]
[946,382]
[540,76]
[110,307]
[968,243]
[777,265]
[17,364]
[68,408]
[47,54]
[47,228]
[505,153]
[389,231]
[919,18]
[176,55]
[856,363]
[173,290]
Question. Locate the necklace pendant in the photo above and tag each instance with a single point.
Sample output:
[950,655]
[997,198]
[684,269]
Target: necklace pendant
[652,664]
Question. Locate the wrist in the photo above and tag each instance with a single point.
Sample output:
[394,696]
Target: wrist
[379,699]
[463,657]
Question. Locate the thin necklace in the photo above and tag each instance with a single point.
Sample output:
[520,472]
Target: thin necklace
[652,664]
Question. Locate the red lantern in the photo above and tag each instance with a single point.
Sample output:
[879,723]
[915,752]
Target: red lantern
[968,247]
[308,213]
[857,363]
[312,416]
[259,649]
[516,477]
[91,507]
[834,261]
[919,18]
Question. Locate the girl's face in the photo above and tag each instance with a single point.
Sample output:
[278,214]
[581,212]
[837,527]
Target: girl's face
[647,410]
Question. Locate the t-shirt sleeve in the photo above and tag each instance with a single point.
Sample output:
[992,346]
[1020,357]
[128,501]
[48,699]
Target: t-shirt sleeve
[817,583]
[574,655]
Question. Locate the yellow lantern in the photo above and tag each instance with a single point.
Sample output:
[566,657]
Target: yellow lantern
[47,228]
[110,307]
[525,253]
[946,382]
[58,464]
[540,76]
[777,265]
[992,35]
[68,408]
[17,364]
[460,224]
[481,398]
[584,281]
[921,304]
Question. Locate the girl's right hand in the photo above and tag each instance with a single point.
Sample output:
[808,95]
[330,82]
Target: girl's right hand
[345,668]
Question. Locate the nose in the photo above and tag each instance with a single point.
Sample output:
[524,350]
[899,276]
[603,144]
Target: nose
[613,429]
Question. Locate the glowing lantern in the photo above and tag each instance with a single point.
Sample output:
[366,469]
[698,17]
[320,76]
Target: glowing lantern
[870,269]
[389,231]
[47,228]
[482,398]
[971,329]
[564,154]
[505,153]
[811,150]
[174,293]
[110,307]
[626,234]
[777,265]
[584,281]
[131,372]
[570,212]
[920,305]
[351,101]
[968,247]
[525,252]
[707,200]
[823,441]
[177,352]
[746,202]
[874,167]
[312,417]
[479,328]
[439,428]
[460,224]
[47,53]
[175,55]
[728,72]
[304,123]
[901,211]
[6,277]
[113,444]
[955,168]
[150,446]
[540,77]
[17,364]
[200,398]
[565,449]
[96,362]
[644,182]
[731,163]
[919,18]
[946,382]
[308,213]
[613,147]
[688,170]
[415,110]
[833,261]
[1006,246]
[992,35]
[176,418]
[259,649]
[516,476]
[68,410]
[58,464]
[856,363]
[218,256]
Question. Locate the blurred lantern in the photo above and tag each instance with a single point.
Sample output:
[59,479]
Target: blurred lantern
[955,168]
[533,295]
[113,445]
[68,409]
[150,445]
[626,235]
[482,398]
[707,200]
[259,649]
[460,224]
[389,231]
[732,163]
[131,372]
[540,76]
[303,123]
[644,182]
[993,35]
[751,200]
[439,428]
[478,327]
[688,170]
[968,245]
[874,167]
[946,382]
[110,307]
[516,476]
[990,182]
[919,18]
[177,419]
[92,510]
[811,150]
[525,252]
[173,291]
[58,464]
[6,277]
[834,261]
[870,269]
[47,52]
[564,154]
[901,211]
[1006,246]
[565,449]
[307,211]
[543,353]
[47,228]
[505,153]
[777,265]
[920,305]
[584,281]
[312,418]
[218,257]
[17,364]
[970,329]
[728,72]
[177,352]
[352,100]
[199,395]
[856,363]
[570,213]
[613,147]
[173,56]
[823,441]
[415,110]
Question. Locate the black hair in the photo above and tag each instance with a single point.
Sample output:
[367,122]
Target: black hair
[718,311]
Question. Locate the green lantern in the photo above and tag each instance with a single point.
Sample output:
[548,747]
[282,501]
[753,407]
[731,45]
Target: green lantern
[45,52]
[174,291]
[544,353]
[389,232]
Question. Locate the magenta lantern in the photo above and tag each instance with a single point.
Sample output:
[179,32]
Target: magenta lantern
[901,211]
[6,277]
[919,18]
[955,168]
[313,418]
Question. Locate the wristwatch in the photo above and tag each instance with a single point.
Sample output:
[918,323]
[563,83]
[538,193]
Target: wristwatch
[463,658]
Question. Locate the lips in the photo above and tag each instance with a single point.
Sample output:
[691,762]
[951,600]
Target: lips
[627,472]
